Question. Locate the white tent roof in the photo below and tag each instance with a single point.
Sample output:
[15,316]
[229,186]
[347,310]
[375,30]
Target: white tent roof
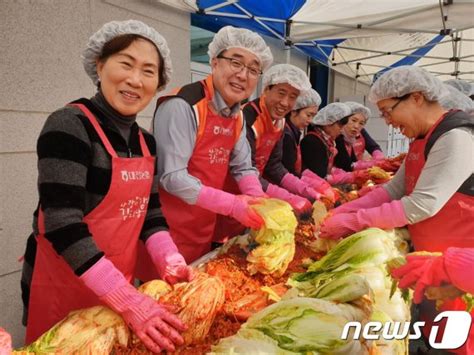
[374,28]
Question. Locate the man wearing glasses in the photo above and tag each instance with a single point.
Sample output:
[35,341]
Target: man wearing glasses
[201,138]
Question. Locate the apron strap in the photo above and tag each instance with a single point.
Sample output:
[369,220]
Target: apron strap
[143,146]
[41,227]
[98,129]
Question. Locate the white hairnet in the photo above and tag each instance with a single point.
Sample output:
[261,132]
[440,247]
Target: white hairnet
[286,74]
[332,113]
[358,108]
[231,37]
[462,85]
[404,80]
[117,28]
[307,98]
[456,100]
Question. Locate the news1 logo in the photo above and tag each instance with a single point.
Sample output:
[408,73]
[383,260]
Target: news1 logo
[456,331]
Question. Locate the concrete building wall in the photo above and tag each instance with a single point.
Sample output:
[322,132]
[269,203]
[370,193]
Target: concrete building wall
[40,45]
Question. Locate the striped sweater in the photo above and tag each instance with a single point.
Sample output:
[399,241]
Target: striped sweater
[74,175]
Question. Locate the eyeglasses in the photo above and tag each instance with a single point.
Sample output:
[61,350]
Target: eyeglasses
[237,66]
[387,113]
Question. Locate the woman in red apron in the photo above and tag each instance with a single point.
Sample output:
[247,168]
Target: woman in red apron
[318,147]
[96,172]
[355,140]
[433,192]
[298,119]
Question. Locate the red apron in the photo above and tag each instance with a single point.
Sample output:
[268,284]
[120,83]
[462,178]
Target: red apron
[115,225]
[267,134]
[348,147]
[452,226]
[298,164]
[359,147]
[330,145]
[191,226]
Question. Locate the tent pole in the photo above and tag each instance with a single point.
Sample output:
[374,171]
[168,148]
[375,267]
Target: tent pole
[250,16]
[356,78]
[288,42]
[218,6]
[397,53]
[383,52]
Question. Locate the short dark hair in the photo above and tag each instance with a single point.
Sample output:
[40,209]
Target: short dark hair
[343,121]
[119,43]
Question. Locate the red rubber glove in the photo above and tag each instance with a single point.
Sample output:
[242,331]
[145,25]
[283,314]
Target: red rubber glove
[156,327]
[387,216]
[456,267]
[235,206]
[421,271]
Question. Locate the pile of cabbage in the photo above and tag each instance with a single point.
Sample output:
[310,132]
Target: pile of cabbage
[98,330]
[350,283]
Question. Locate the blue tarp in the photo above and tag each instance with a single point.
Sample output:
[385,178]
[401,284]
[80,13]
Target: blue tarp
[280,10]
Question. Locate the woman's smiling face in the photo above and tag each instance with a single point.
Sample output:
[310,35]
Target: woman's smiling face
[129,78]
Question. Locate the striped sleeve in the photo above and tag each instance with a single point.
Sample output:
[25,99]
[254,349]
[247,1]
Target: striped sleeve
[64,156]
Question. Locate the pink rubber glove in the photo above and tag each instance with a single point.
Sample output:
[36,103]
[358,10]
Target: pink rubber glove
[373,199]
[299,204]
[454,267]
[169,263]
[156,327]
[336,171]
[337,178]
[5,342]
[291,183]
[378,155]
[318,183]
[236,206]
[250,185]
[387,216]
[364,164]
